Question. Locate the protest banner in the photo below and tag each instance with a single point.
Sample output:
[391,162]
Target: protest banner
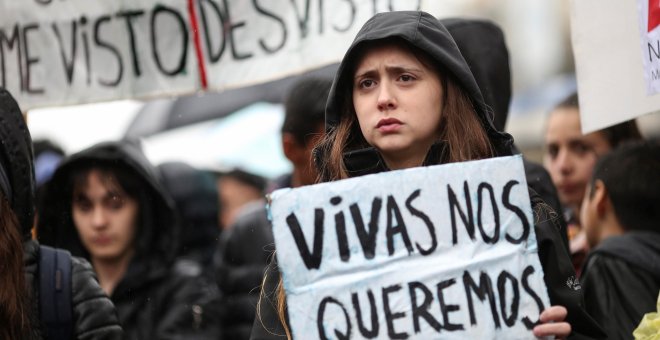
[63,52]
[443,251]
[616,45]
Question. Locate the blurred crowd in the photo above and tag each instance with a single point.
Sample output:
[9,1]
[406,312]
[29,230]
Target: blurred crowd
[124,249]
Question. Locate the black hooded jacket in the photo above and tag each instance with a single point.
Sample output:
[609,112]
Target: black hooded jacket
[94,316]
[152,300]
[428,34]
[621,281]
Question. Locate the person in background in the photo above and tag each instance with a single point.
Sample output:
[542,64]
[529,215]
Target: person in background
[106,203]
[569,156]
[236,189]
[93,314]
[196,199]
[404,97]
[246,247]
[620,213]
[47,156]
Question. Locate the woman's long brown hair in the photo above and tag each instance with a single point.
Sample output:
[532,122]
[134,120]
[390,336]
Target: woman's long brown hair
[14,295]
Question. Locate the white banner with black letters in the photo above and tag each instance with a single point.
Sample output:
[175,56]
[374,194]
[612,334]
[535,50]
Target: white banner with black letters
[62,52]
[444,251]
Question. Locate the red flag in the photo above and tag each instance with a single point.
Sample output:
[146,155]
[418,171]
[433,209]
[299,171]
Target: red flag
[654,14]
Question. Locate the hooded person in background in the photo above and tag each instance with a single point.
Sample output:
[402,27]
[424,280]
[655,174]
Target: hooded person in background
[105,203]
[246,246]
[196,198]
[94,316]
[404,97]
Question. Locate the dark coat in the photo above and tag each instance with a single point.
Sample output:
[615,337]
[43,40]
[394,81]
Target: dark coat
[621,281]
[94,316]
[427,33]
[153,300]
[241,260]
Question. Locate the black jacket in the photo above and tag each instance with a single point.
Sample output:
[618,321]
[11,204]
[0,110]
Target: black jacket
[427,33]
[621,281]
[94,316]
[241,260]
[153,301]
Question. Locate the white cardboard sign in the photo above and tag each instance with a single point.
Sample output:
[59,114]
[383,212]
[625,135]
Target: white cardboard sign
[616,45]
[444,251]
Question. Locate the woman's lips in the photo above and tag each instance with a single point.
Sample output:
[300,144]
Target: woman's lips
[386,125]
[568,188]
[102,240]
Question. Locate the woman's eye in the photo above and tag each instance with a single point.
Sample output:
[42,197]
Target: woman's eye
[116,203]
[406,77]
[82,205]
[366,83]
[582,149]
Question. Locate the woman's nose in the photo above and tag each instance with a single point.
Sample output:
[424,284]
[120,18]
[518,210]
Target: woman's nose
[564,162]
[386,98]
[99,218]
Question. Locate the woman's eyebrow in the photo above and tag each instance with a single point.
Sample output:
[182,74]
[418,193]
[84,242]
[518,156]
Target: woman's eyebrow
[391,69]
[364,73]
[401,68]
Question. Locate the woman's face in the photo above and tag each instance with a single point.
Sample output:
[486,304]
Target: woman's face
[105,217]
[570,156]
[398,102]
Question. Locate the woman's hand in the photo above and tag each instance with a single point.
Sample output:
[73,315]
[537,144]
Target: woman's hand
[553,324]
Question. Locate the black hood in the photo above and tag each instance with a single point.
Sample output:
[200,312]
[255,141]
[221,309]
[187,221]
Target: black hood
[483,46]
[425,32]
[196,198]
[17,170]
[157,229]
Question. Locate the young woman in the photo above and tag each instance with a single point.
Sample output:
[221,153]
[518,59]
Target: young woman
[570,156]
[404,97]
[105,203]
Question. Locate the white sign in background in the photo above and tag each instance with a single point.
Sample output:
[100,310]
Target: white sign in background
[79,51]
[611,61]
[649,39]
[62,52]
[409,266]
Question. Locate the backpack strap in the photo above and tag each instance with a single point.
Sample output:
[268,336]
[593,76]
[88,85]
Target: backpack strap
[55,307]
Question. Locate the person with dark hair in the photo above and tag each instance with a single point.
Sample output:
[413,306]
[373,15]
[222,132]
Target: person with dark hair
[620,214]
[246,246]
[404,97]
[93,314]
[195,196]
[236,189]
[569,156]
[105,203]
